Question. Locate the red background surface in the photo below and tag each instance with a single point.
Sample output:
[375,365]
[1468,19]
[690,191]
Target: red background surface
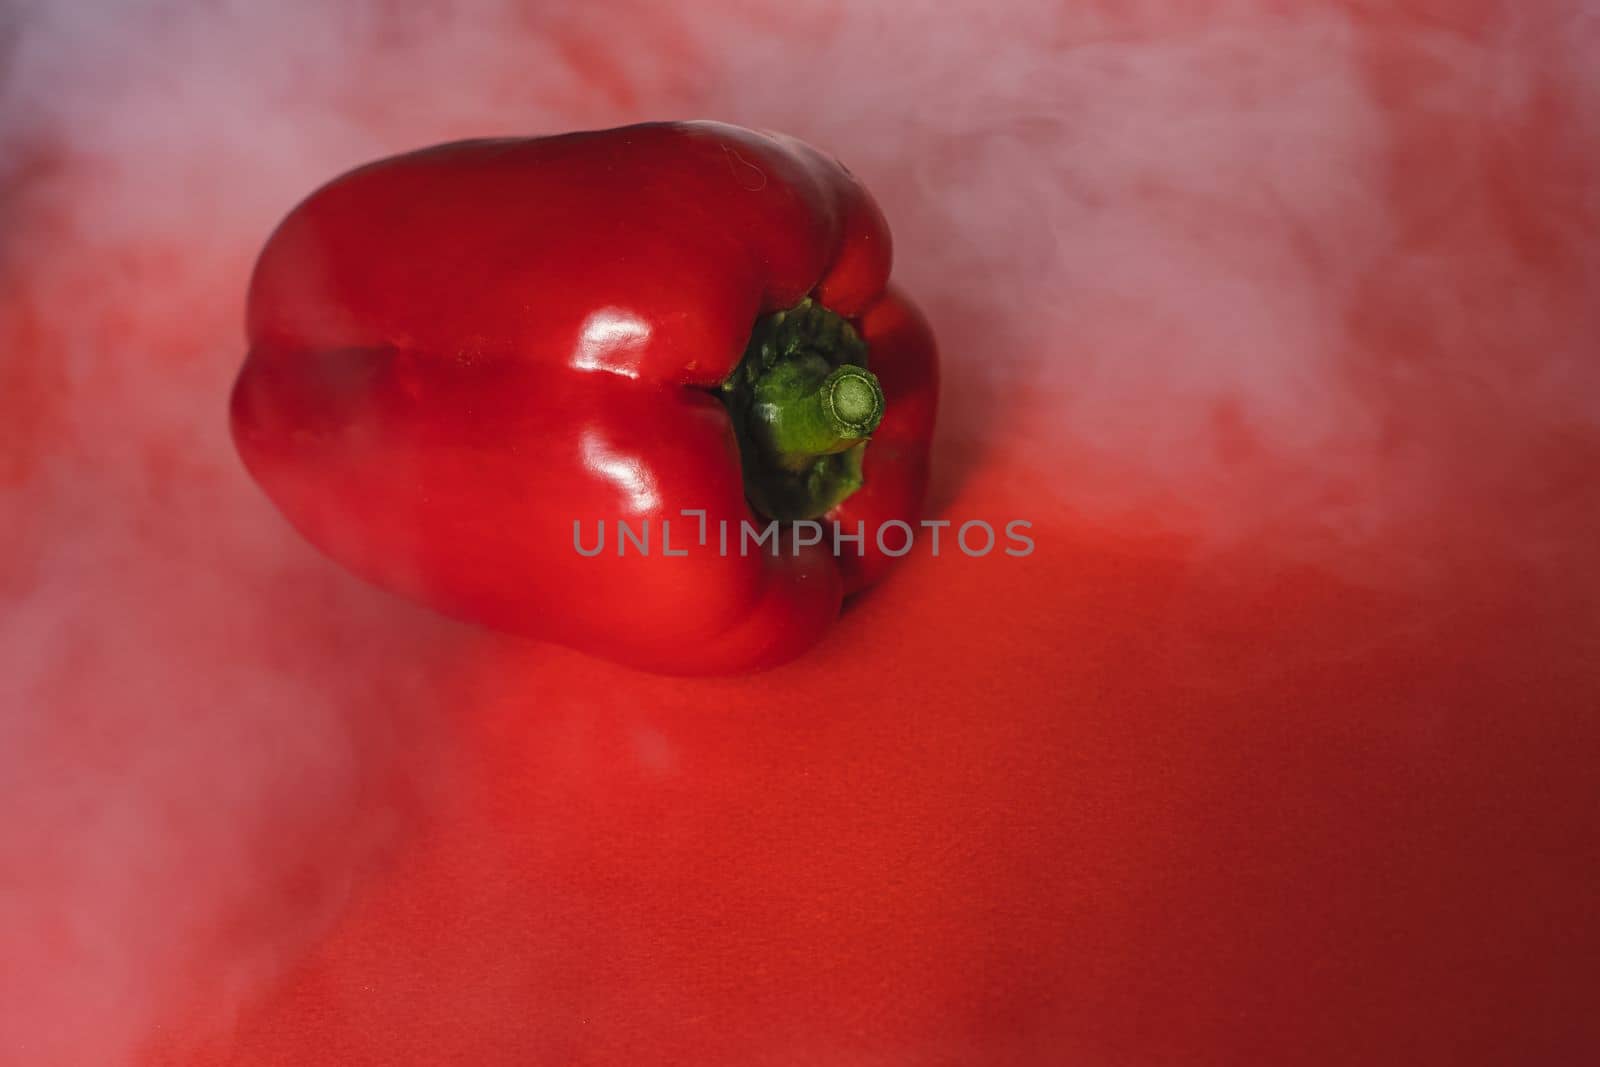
[1279,326]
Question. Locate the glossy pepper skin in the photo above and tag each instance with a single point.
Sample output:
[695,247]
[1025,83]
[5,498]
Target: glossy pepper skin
[458,353]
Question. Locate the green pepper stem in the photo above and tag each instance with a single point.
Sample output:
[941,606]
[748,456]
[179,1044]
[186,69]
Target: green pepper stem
[803,405]
[799,418]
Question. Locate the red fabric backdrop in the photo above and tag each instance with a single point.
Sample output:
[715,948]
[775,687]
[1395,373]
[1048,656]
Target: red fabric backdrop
[1278,324]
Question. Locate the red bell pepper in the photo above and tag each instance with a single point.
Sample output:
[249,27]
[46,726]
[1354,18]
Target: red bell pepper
[466,360]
